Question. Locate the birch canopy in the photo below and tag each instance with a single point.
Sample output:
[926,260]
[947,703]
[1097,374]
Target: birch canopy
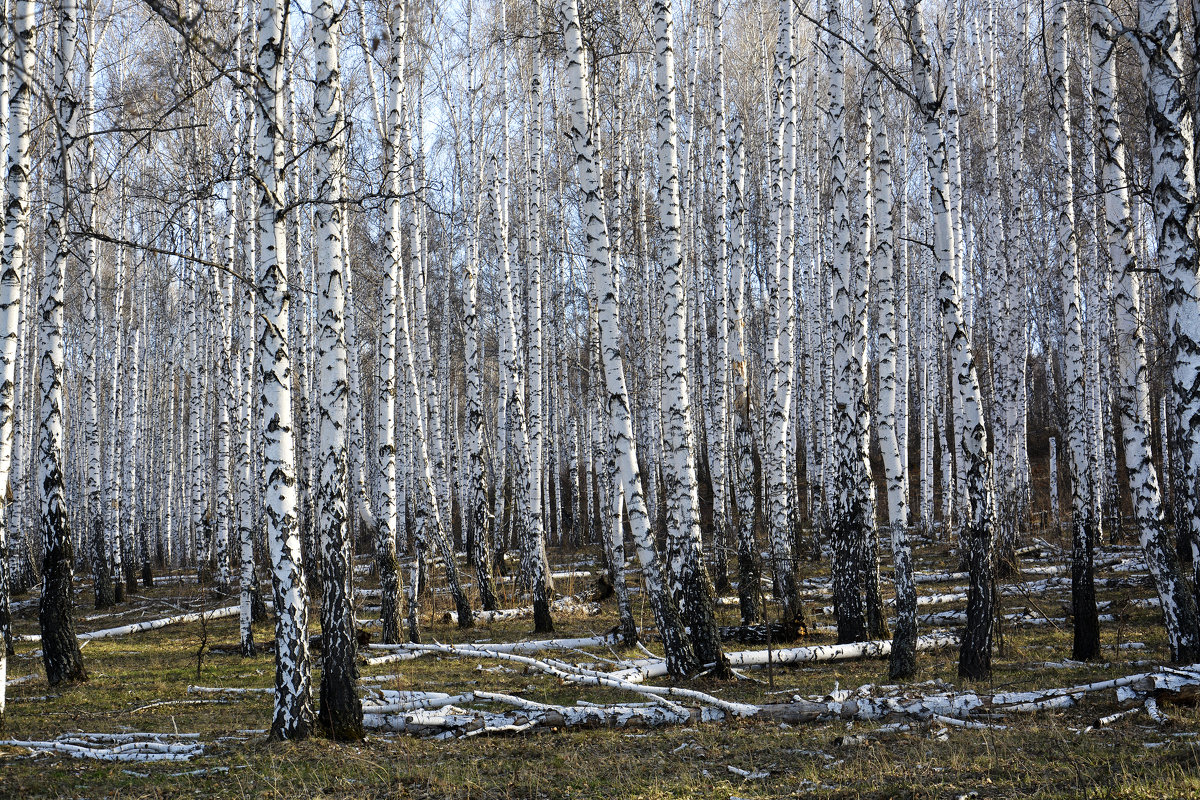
[652,325]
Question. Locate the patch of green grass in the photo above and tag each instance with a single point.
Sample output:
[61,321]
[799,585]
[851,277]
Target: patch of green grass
[1040,756]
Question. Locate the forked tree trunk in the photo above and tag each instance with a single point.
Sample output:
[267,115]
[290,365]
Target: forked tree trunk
[679,653]
[1178,605]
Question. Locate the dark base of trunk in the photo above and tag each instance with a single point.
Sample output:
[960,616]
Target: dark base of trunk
[131,584]
[847,579]
[60,648]
[876,616]
[147,576]
[295,731]
[975,650]
[249,649]
[628,631]
[105,596]
[258,607]
[102,583]
[748,584]
[902,663]
[877,628]
[542,621]
[701,622]
[721,581]
[677,647]
[466,617]
[341,715]
[487,593]
[388,567]
[1086,639]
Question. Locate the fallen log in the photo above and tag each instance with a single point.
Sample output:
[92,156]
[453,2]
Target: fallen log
[446,719]
[149,625]
[116,747]
[798,655]
[565,605]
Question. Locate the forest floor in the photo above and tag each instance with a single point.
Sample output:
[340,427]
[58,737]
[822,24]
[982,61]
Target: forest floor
[1044,754]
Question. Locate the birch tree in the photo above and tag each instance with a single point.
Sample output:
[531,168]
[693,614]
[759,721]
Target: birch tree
[60,649]
[679,653]
[1083,524]
[691,585]
[1178,606]
[293,682]
[13,259]
[975,651]
[341,709]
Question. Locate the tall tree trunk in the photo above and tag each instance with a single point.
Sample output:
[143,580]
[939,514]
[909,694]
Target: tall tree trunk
[13,258]
[386,561]
[975,651]
[749,572]
[60,649]
[903,659]
[293,682]
[340,712]
[681,659]
[691,586]
[846,514]
[101,577]
[779,394]
[534,569]
[1178,605]
[1086,643]
[1173,189]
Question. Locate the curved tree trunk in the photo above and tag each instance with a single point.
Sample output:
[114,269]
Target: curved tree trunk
[975,651]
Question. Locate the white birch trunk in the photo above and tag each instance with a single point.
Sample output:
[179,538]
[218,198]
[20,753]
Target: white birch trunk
[976,533]
[13,259]
[293,682]
[341,709]
[622,442]
[1133,380]
[60,649]
[691,584]
[1083,526]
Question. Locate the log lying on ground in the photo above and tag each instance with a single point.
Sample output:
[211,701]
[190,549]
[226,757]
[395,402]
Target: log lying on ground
[956,709]
[564,605]
[409,651]
[798,655]
[149,625]
[571,673]
[452,721]
[117,747]
[939,577]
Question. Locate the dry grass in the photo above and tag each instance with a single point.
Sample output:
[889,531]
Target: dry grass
[1040,756]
